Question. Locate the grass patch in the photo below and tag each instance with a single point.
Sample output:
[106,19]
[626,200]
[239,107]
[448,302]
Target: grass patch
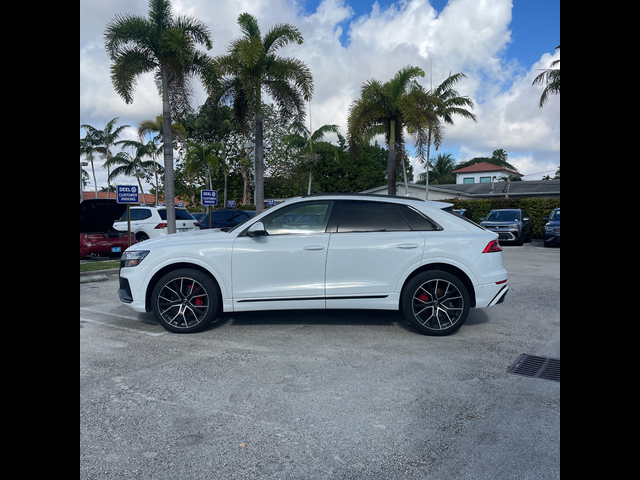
[99,265]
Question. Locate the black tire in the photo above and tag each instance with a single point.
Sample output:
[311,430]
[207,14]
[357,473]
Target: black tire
[436,303]
[520,240]
[141,237]
[185,301]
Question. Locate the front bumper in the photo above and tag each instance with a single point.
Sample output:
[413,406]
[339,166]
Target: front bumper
[506,234]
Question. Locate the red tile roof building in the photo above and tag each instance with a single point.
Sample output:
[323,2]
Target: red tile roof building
[483,167]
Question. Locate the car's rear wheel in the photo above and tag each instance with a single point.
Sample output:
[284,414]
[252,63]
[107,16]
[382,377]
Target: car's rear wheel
[185,301]
[141,237]
[436,303]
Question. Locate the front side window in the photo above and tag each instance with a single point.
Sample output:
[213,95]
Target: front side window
[310,217]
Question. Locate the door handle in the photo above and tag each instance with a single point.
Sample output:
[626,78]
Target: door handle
[314,247]
[406,246]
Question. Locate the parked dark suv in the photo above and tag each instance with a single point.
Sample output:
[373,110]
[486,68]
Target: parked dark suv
[510,224]
[551,234]
[225,218]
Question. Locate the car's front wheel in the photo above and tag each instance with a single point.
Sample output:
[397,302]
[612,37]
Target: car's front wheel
[185,301]
[436,303]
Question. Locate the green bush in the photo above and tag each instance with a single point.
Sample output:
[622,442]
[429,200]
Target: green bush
[534,208]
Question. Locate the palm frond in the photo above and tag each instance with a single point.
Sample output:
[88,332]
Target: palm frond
[249,25]
[280,35]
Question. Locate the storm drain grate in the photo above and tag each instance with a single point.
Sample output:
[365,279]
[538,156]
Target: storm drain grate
[536,367]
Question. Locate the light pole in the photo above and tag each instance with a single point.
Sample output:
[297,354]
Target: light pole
[82,164]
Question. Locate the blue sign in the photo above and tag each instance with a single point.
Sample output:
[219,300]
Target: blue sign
[231,203]
[209,198]
[127,194]
[271,202]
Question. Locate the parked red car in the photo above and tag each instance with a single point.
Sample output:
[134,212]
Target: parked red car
[97,235]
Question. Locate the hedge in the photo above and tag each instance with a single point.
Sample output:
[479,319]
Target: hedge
[534,208]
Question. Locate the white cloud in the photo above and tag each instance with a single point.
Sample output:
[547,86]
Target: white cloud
[466,36]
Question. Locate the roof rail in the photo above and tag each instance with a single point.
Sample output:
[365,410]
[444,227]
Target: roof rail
[378,195]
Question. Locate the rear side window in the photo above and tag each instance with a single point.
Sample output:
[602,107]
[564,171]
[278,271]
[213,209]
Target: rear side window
[181,214]
[363,216]
[137,214]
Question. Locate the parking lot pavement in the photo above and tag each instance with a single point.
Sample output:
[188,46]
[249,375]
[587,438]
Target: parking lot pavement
[323,395]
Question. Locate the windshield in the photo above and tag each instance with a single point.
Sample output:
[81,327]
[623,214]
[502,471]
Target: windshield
[503,216]
[231,229]
[555,215]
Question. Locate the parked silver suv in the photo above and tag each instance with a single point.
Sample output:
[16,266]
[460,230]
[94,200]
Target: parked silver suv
[150,222]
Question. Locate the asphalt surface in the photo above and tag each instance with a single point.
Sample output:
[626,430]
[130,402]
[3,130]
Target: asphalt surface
[323,395]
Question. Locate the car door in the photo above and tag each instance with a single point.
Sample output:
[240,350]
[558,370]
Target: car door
[285,268]
[372,248]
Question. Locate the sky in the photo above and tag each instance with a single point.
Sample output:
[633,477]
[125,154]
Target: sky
[500,45]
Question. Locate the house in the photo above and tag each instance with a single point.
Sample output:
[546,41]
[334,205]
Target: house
[483,172]
[470,191]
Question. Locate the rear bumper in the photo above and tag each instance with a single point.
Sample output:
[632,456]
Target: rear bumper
[490,294]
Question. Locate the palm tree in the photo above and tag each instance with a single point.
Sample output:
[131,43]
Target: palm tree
[104,140]
[132,165]
[154,128]
[385,109]
[252,65]
[449,103]
[442,168]
[311,143]
[550,77]
[166,46]
[88,148]
[199,157]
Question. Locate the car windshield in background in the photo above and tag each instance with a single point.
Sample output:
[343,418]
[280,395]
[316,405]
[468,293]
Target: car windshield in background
[555,215]
[503,216]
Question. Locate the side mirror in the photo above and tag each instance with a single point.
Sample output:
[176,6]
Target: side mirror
[256,230]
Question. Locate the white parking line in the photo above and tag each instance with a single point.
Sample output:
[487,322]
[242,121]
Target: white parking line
[84,319]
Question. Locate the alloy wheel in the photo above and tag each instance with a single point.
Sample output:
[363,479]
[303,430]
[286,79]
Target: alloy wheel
[438,304]
[183,302]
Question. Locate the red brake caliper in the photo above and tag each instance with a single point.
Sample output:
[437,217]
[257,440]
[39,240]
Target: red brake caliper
[424,297]
[198,300]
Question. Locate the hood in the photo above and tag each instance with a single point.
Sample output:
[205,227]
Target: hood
[196,237]
[98,214]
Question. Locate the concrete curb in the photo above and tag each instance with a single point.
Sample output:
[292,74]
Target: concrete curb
[97,275]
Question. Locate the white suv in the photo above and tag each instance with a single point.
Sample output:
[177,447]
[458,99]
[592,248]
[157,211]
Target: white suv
[322,252]
[150,222]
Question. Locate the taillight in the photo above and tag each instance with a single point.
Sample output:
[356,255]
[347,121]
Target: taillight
[492,246]
[161,225]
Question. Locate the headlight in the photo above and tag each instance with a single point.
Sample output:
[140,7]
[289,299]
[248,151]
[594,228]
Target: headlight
[133,258]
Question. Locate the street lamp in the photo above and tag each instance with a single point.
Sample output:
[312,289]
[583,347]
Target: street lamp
[82,164]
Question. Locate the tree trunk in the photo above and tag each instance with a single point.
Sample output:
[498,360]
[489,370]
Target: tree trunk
[144,199]
[167,135]
[94,177]
[426,175]
[259,166]
[391,160]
